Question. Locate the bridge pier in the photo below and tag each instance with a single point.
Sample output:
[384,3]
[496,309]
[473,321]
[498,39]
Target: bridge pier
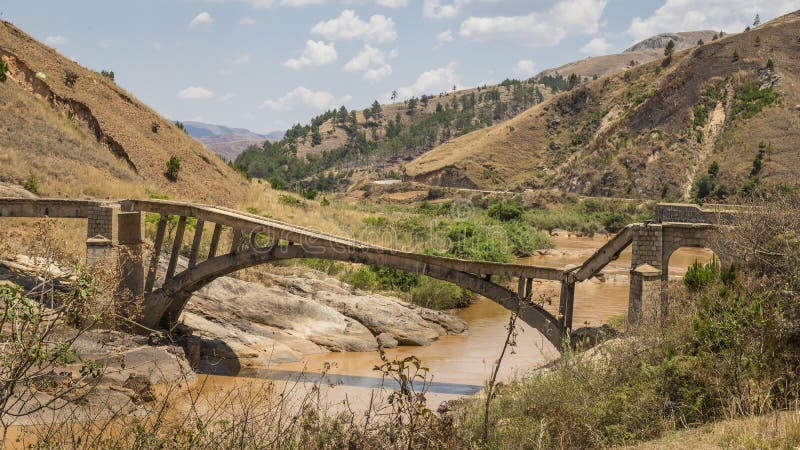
[566,304]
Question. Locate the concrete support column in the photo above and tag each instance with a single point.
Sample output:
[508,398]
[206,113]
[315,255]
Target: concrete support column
[644,298]
[131,264]
[101,234]
[566,304]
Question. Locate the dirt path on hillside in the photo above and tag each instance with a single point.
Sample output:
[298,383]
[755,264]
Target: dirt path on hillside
[716,120]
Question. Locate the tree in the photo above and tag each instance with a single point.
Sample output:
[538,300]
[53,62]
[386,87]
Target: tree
[700,42]
[770,65]
[412,104]
[757,20]
[179,125]
[316,137]
[376,107]
[394,96]
[758,41]
[173,167]
[670,48]
[108,74]
[713,169]
[3,70]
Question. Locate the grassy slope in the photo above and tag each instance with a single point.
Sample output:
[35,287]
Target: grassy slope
[68,135]
[631,134]
[611,64]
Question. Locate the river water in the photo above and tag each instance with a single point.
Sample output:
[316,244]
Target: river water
[460,365]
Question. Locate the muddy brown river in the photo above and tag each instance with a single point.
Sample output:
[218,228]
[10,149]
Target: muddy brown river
[460,365]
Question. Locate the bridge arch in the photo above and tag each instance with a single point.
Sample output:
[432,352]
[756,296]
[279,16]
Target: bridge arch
[164,305]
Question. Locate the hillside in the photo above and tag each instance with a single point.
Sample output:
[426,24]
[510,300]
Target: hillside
[653,131]
[642,52]
[225,141]
[78,134]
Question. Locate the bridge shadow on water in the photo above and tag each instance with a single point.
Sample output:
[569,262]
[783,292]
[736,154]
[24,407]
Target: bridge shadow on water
[436,387]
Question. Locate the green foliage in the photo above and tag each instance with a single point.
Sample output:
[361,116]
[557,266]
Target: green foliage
[700,275]
[389,279]
[327,266]
[363,278]
[179,125]
[292,201]
[436,294]
[376,222]
[525,240]
[750,100]
[308,193]
[469,240]
[713,169]
[31,184]
[3,71]
[173,167]
[108,74]
[700,115]
[505,211]
[669,49]
[770,65]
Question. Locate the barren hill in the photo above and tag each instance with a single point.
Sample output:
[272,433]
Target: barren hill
[640,53]
[79,134]
[653,131]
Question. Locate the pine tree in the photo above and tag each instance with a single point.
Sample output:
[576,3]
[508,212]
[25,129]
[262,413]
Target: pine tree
[756,21]
[670,48]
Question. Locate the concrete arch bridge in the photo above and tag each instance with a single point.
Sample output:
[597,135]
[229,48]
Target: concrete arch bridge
[115,231]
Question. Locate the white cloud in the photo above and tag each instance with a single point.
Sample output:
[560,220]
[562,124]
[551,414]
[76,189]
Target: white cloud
[54,41]
[316,53]
[525,68]
[302,97]
[371,63]
[727,15]
[348,26]
[264,4]
[201,19]
[432,82]
[244,58]
[247,20]
[596,47]
[392,3]
[434,9]
[538,29]
[444,37]
[195,93]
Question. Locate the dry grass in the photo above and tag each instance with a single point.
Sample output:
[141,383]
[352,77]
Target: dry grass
[67,141]
[774,431]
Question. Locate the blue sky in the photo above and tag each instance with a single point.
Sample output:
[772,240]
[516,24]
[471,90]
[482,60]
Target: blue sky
[265,64]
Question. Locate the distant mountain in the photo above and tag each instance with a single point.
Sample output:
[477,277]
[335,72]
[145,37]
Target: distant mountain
[225,141]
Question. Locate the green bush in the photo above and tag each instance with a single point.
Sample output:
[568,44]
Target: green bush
[3,71]
[308,194]
[376,222]
[505,211]
[472,241]
[363,278]
[173,167]
[525,240]
[324,265]
[700,275]
[31,184]
[288,200]
[436,294]
[750,99]
[395,279]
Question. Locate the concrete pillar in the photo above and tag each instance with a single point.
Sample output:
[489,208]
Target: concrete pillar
[99,252]
[644,297]
[101,234]
[566,304]
[131,264]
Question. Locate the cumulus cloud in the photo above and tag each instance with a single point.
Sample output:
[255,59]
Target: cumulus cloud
[525,68]
[371,63]
[247,20]
[728,15]
[263,4]
[597,46]
[201,19]
[444,37]
[538,29]
[348,26]
[195,93]
[434,9]
[304,98]
[316,53]
[54,41]
[431,82]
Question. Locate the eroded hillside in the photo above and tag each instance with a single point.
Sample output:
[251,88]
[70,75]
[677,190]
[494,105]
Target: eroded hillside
[653,131]
[81,135]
